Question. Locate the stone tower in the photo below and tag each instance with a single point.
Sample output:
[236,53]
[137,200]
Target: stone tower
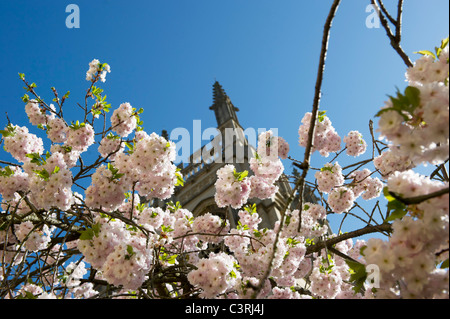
[197,194]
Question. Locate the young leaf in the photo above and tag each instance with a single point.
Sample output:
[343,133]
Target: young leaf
[426,52]
[180,180]
[240,176]
[56,170]
[358,275]
[130,252]
[89,233]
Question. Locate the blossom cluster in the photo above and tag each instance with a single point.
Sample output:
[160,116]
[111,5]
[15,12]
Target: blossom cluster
[416,122]
[407,261]
[214,274]
[355,143]
[12,180]
[57,130]
[80,137]
[34,239]
[329,177]
[126,240]
[272,146]
[19,142]
[123,121]
[51,187]
[366,186]
[330,180]
[391,161]
[325,139]
[122,257]
[232,188]
[106,189]
[110,145]
[210,224]
[36,114]
[97,68]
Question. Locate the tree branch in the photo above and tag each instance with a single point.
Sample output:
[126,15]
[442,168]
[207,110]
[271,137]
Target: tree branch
[395,39]
[305,165]
[357,233]
[421,198]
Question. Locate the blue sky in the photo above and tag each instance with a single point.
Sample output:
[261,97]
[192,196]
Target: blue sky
[166,54]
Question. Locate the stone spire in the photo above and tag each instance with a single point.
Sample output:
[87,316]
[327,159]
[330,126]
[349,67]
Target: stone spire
[224,110]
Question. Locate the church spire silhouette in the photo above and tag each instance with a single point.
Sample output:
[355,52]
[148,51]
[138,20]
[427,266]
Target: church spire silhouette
[223,108]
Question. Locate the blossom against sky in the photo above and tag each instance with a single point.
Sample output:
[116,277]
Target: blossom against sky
[165,56]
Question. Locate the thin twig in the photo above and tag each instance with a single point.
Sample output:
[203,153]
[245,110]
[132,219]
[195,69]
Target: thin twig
[357,233]
[395,39]
[421,198]
[305,165]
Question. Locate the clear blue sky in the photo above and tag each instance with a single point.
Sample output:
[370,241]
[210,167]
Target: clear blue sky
[166,54]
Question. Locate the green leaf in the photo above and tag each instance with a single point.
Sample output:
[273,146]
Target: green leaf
[28,295]
[43,174]
[413,95]
[251,209]
[174,207]
[321,116]
[327,168]
[404,103]
[445,264]
[25,98]
[130,147]
[396,205]
[130,252]
[397,214]
[172,259]
[438,50]
[166,229]
[8,131]
[388,195]
[180,180]
[89,233]
[239,177]
[242,227]
[111,136]
[7,172]
[361,250]
[287,220]
[77,125]
[257,233]
[358,275]
[426,52]
[292,242]
[140,207]
[396,209]
[22,76]
[114,172]
[444,43]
